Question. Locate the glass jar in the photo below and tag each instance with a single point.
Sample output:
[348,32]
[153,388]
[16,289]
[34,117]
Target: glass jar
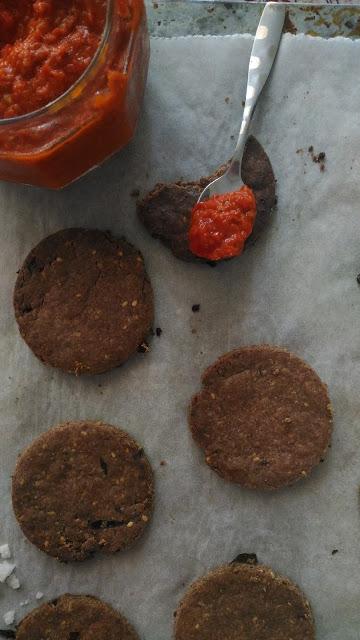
[97,116]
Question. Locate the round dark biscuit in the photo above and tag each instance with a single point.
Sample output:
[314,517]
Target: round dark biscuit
[166,210]
[263,417]
[244,601]
[83,301]
[75,618]
[82,487]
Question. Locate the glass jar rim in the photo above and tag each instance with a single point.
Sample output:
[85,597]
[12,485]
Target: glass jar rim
[57,102]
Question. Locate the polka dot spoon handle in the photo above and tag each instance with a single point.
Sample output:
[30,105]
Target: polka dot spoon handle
[264,50]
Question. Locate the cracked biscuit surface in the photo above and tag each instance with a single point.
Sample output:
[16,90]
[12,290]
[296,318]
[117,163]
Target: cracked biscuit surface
[83,487]
[83,301]
[263,417]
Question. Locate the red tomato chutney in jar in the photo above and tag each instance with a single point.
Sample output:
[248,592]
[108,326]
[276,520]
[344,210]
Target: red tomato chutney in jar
[72,79]
[220,225]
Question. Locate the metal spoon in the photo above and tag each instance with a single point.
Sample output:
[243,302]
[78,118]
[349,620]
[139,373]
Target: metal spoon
[263,53]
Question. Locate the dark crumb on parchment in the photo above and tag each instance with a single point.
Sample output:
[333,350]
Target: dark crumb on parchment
[195,308]
[158,331]
[155,5]
[334,552]
[143,347]
[300,151]
[318,158]
[163,463]
[245,558]
[358,278]
[227,99]
[135,193]
[210,9]
[193,331]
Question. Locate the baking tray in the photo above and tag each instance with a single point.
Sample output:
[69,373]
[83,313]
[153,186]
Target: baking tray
[150,395]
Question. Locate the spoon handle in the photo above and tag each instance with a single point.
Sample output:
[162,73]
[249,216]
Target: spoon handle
[263,53]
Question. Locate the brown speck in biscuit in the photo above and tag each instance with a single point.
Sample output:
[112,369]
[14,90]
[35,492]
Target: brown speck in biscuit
[104,466]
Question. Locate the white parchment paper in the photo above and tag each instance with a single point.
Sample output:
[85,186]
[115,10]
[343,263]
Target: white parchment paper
[296,287]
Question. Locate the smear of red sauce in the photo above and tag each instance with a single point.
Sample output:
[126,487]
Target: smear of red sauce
[221,224]
[45,46]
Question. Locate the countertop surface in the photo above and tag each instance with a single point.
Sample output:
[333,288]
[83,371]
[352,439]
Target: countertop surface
[168,18]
